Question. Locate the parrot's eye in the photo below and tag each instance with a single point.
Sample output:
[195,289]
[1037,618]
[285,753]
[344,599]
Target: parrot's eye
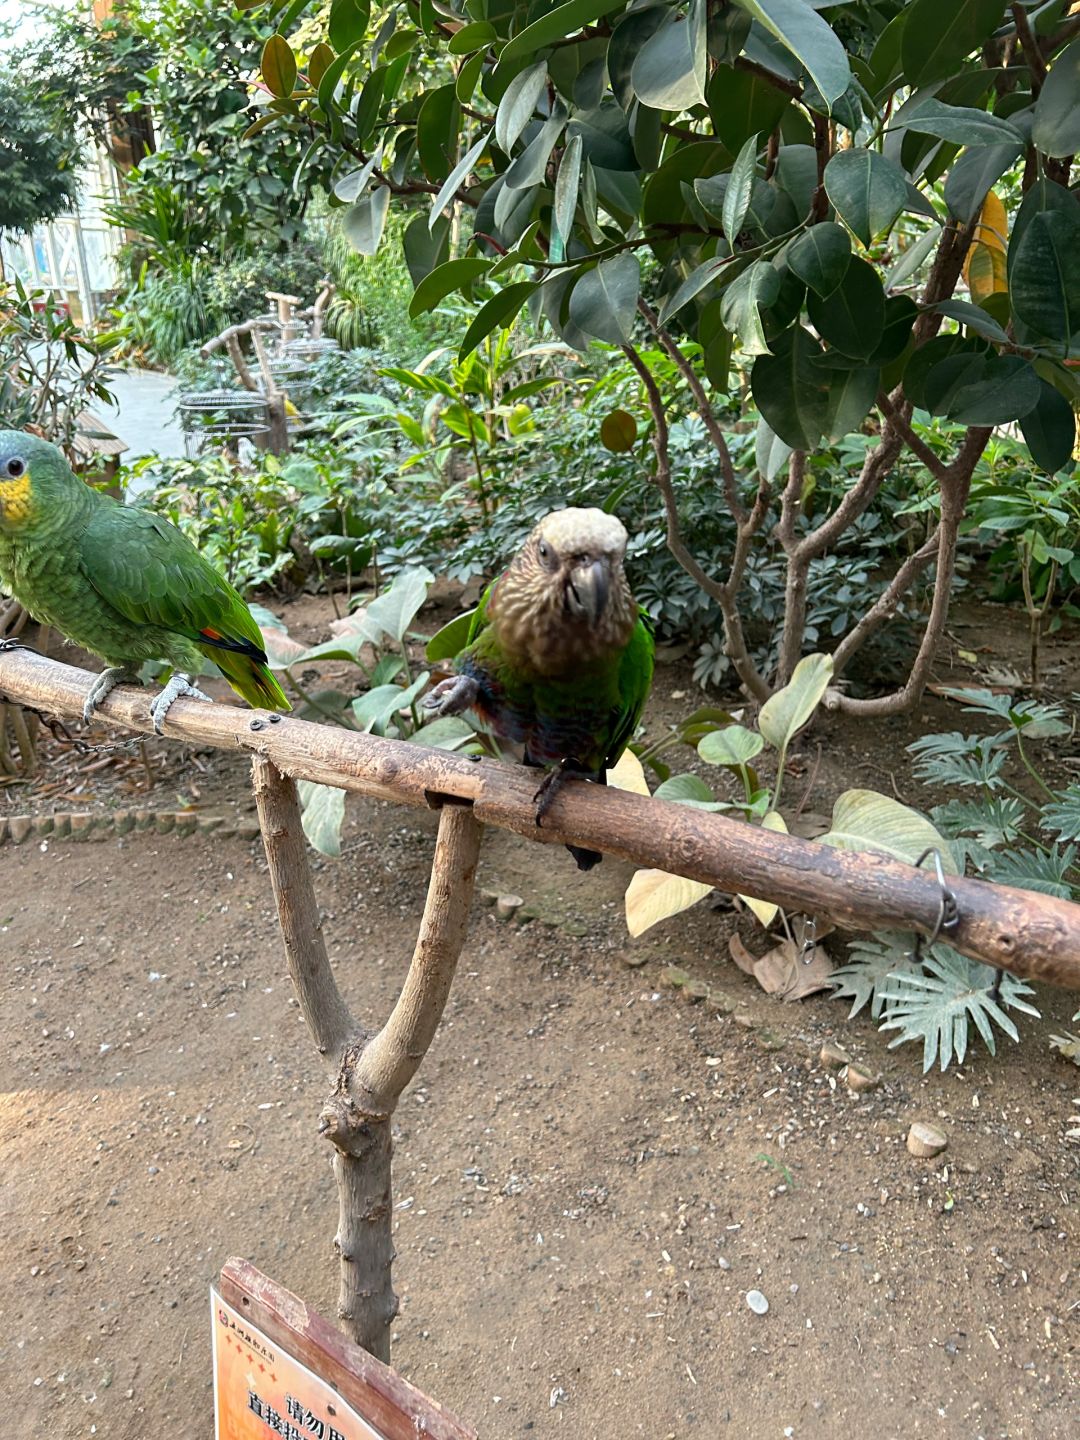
[547,555]
[15,467]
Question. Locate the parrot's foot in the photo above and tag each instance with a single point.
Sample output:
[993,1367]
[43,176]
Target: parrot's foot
[451,697]
[179,686]
[103,687]
[550,786]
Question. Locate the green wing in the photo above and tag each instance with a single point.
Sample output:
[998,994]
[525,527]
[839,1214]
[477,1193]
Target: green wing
[153,575]
[448,643]
[635,682]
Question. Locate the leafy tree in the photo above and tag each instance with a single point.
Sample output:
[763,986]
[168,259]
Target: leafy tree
[792,190]
[38,178]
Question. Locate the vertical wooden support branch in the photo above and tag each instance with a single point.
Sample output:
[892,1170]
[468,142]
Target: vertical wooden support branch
[370,1071]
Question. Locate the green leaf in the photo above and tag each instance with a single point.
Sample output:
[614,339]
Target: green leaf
[959,124]
[437,131]
[737,195]
[445,732]
[852,317]
[1006,389]
[939,33]
[973,317]
[803,32]
[740,308]
[455,178]
[603,303]
[555,25]
[518,104]
[912,258]
[468,75]
[444,280]
[376,708]
[425,249]
[448,642]
[618,431]
[566,193]
[669,70]
[972,177]
[1044,276]
[868,191]
[820,257]
[351,186]
[694,283]
[791,391]
[395,609]
[864,979]
[531,165]
[499,311]
[278,66]
[733,746]
[477,36]
[363,223]
[322,816]
[348,24]
[1056,130]
[629,36]
[1061,817]
[741,104]
[770,452]
[1049,430]
[687,790]
[865,820]
[784,714]
[851,397]
[331,75]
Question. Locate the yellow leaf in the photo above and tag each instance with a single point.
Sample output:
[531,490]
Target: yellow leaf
[654,895]
[627,774]
[984,268]
[765,910]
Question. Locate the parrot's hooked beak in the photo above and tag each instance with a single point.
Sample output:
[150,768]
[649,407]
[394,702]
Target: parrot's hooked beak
[587,589]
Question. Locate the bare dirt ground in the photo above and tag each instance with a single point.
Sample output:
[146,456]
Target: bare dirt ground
[590,1171]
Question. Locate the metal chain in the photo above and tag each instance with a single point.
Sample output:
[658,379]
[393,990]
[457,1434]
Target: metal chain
[56,727]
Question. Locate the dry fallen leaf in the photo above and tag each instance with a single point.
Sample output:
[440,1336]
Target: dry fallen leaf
[783,970]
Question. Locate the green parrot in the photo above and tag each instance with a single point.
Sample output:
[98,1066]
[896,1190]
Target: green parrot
[122,583]
[558,657]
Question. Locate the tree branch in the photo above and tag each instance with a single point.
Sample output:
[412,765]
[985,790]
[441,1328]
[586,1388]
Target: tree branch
[798,565]
[884,607]
[898,417]
[1032,54]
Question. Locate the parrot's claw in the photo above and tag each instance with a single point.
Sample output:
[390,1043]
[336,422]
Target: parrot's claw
[451,697]
[103,687]
[179,687]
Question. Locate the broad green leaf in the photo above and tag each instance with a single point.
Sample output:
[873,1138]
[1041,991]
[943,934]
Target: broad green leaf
[938,34]
[868,191]
[960,124]
[740,309]
[732,746]
[531,165]
[973,175]
[455,178]
[820,257]
[347,24]
[351,186]
[1056,130]
[618,432]
[912,258]
[605,137]
[865,820]
[766,911]
[437,128]
[901,312]
[477,36]
[1006,389]
[1044,276]
[808,37]
[973,317]
[791,391]
[784,714]
[395,609]
[363,223]
[444,280]
[603,303]
[1049,431]
[376,708]
[687,790]
[468,75]
[319,60]
[518,104]
[770,452]
[742,104]
[322,816]
[451,639]
[445,732]
[557,24]
[566,193]
[668,72]
[852,317]
[498,312]
[739,186]
[851,398]
[654,895]
[278,66]
[693,285]
[330,77]
[425,249]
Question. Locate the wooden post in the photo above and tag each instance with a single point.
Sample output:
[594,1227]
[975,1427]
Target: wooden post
[369,1071]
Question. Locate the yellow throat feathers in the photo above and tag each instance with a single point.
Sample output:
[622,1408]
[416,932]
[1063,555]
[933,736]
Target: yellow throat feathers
[16,500]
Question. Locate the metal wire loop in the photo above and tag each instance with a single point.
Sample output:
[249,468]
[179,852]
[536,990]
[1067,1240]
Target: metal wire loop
[948,916]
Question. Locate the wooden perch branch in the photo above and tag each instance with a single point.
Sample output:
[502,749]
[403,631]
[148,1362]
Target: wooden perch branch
[1033,935]
[370,1071]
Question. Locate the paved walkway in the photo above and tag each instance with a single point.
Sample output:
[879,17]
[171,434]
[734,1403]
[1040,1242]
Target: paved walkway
[144,416]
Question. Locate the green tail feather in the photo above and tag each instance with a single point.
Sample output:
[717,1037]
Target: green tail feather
[249,678]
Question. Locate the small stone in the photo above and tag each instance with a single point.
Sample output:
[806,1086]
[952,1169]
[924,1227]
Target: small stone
[724,1263]
[721,1001]
[19,828]
[187,822]
[62,825]
[833,1056]
[43,826]
[757,1302]
[695,991]
[164,822]
[926,1140]
[634,959]
[746,1021]
[124,822]
[144,819]
[507,906]
[861,1080]
[81,825]
[770,1040]
[673,977]
[487,897]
